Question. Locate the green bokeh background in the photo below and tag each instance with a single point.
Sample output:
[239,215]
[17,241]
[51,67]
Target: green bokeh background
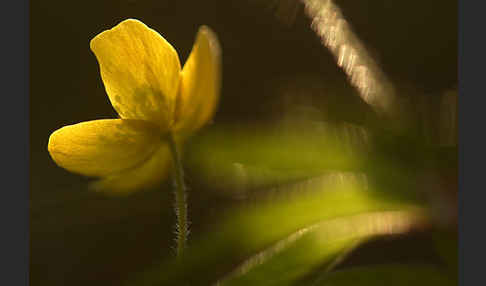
[83,238]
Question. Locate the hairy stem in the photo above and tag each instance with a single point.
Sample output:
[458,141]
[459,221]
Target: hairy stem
[180,197]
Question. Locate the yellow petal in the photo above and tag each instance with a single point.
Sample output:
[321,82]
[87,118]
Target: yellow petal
[200,82]
[104,147]
[149,174]
[140,71]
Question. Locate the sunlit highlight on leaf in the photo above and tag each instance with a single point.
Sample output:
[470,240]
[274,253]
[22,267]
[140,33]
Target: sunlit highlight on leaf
[316,244]
[350,54]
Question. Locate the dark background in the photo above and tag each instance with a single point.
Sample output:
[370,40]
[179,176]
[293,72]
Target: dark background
[78,237]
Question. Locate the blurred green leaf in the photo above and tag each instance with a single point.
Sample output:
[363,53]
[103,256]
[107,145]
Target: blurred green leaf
[396,275]
[293,232]
[321,245]
[259,156]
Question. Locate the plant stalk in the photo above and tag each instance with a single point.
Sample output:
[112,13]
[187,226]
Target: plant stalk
[180,197]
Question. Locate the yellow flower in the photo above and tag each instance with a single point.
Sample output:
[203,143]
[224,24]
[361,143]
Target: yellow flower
[142,76]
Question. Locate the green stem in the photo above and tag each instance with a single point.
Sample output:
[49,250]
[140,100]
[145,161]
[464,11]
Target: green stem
[180,197]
